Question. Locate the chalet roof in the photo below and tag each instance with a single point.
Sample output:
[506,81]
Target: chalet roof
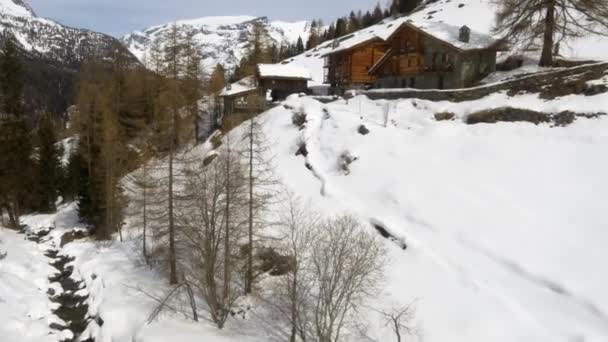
[384,31]
[242,86]
[287,71]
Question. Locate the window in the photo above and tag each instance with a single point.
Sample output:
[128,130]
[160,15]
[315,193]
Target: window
[412,82]
[403,83]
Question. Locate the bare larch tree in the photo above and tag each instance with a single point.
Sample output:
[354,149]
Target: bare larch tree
[549,22]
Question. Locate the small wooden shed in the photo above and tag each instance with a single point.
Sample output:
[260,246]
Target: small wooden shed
[271,83]
[278,81]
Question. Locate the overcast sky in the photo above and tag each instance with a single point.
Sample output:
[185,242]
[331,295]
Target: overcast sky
[117,17]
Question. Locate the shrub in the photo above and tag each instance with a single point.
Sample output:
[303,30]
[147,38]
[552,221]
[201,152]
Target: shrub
[299,119]
[344,161]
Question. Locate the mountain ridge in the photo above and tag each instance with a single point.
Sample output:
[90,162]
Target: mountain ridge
[220,39]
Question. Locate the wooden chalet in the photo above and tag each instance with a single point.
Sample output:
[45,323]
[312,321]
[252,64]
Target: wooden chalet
[403,53]
[271,83]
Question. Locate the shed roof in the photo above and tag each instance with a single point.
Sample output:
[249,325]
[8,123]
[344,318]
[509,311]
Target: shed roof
[287,71]
[242,86]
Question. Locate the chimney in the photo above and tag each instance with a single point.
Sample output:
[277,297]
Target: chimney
[465,34]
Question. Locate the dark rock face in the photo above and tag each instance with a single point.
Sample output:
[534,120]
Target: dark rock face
[444,116]
[509,114]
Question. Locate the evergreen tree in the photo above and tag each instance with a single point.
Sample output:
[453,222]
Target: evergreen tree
[16,165]
[377,15]
[407,6]
[71,177]
[353,23]
[299,46]
[49,169]
[341,28]
[11,84]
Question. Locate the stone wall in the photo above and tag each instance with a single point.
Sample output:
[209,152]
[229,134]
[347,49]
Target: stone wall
[549,85]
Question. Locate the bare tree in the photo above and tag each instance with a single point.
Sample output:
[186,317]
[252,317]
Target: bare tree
[260,182]
[399,318]
[551,21]
[211,231]
[289,304]
[347,265]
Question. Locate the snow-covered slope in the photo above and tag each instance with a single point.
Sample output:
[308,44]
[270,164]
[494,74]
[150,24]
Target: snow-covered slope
[504,223]
[479,15]
[25,311]
[220,39]
[49,40]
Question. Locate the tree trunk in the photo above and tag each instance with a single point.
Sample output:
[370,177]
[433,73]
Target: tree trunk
[249,282]
[294,307]
[546,59]
[172,259]
[145,211]
[226,294]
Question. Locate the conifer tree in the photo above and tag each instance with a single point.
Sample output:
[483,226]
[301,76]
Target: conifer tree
[377,15]
[49,169]
[299,46]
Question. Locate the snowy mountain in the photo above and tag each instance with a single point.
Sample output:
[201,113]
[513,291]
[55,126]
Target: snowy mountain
[220,39]
[51,52]
[47,39]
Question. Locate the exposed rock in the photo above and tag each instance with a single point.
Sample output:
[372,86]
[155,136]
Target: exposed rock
[444,116]
[363,130]
[72,236]
[507,114]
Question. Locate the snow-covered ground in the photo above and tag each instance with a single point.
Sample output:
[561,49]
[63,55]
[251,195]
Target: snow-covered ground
[25,312]
[505,226]
[504,222]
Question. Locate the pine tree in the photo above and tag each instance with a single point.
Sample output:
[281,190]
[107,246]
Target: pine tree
[341,28]
[377,15]
[71,177]
[300,46]
[49,169]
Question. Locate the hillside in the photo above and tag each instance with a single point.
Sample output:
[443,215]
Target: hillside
[219,39]
[496,230]
[52,53]
[477,14]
